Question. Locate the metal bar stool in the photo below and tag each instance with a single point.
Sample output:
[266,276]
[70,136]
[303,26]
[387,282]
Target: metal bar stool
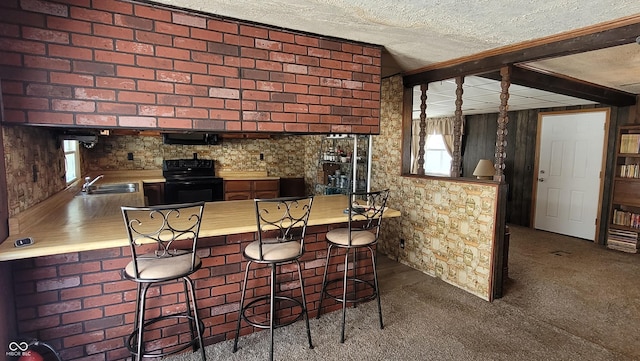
[362,232]
[282,224]
[163,248]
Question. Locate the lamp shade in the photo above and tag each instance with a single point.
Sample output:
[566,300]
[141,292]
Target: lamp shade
[484,169]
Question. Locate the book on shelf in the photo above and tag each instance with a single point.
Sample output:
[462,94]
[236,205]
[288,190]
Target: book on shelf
[623,248]
[629,171]
[623,240]
[627,219]
[630,143]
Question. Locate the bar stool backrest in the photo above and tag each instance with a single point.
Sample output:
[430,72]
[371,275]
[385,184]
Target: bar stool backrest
[163,231]
[282,220]
[365,211]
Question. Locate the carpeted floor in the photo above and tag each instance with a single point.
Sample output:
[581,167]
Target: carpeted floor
[566,299]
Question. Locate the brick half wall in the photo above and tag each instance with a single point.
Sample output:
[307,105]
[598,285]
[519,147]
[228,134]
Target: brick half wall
[82,305]
[117,64]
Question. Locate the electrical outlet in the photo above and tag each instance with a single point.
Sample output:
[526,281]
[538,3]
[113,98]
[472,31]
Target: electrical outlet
[402,243]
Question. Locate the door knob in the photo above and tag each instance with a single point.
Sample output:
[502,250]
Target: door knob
[540,179]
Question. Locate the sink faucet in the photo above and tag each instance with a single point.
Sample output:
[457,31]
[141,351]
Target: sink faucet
[88,182]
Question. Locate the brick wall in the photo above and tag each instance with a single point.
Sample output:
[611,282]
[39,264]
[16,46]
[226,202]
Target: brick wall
[81,305]
[108,64]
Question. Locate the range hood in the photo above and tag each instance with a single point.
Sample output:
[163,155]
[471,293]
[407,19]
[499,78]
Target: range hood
[191,138]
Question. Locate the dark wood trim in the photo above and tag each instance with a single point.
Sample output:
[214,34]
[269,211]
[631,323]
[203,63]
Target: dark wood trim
[500,248]
[407,112]
[618,32]
[561,84]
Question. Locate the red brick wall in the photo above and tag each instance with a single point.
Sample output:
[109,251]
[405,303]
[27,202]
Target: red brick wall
[110,64]
[81,305]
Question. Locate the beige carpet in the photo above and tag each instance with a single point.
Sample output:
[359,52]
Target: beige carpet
[566,299]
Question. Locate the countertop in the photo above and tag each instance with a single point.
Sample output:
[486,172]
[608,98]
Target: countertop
[68,222]
[245,175]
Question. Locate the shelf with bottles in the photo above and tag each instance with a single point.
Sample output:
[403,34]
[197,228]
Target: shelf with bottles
[341,159]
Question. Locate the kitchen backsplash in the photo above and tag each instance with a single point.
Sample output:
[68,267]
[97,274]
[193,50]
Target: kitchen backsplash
[37,148]
[29,151]
[284,156]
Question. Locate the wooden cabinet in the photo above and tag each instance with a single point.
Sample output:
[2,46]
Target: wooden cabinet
[153,193]
[624,218]
[292,187]
[235,190]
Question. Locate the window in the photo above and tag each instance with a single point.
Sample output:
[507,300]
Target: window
[71,160]
[439,132]
[437,158]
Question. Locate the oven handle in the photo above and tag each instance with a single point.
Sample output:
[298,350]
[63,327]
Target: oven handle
[191,183]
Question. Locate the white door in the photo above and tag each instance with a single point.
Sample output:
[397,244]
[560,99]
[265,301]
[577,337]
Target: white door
[569,167]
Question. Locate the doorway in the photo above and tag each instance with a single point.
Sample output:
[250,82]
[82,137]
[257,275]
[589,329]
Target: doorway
[569,168]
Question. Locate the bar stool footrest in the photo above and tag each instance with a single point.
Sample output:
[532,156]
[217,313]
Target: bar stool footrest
[132,337]
[267,298]
[338,298]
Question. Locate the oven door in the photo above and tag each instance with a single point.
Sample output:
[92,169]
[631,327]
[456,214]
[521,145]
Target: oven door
[185,191]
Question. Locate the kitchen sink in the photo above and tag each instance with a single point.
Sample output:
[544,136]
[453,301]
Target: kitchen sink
[112,188]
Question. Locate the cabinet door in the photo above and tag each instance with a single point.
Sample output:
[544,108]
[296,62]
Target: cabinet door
[237,196]
[266,188]
[266,194]
[154,193]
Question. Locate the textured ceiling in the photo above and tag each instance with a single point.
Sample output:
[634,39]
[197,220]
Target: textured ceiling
[417,33]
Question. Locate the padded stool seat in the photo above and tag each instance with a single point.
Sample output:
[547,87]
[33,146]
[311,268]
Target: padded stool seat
[342,237]
[162,268]
[273,251]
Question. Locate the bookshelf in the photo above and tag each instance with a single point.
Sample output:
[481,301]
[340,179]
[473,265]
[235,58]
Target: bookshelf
[624,219]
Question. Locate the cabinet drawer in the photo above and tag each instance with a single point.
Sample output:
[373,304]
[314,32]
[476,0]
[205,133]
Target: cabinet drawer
[237,186]
[267,185]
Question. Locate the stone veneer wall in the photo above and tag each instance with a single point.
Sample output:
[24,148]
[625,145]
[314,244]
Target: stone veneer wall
[447,223]
[27,149]
[111,63]
[284,156]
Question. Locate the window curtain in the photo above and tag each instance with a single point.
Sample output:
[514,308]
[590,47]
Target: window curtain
[442,126]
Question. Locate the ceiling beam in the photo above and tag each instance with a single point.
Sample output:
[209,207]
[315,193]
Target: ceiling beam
[619,32]
[566,86]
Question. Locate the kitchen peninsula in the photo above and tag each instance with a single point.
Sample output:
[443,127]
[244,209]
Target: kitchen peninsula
[70,289]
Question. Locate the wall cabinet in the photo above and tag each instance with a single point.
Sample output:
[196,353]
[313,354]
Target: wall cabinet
[344,164]
[153,193]
[235,190]
[624,218]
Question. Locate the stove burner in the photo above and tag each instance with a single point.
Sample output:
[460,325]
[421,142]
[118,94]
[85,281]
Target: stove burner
[190,180]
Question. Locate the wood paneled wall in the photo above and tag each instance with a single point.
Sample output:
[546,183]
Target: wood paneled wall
[479,142]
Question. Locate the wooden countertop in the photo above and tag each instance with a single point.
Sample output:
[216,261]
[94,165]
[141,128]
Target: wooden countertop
[68,222]
[245,175]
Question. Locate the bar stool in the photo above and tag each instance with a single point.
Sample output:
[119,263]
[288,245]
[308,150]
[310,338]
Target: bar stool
[282,224]
[365,216]
[163,248]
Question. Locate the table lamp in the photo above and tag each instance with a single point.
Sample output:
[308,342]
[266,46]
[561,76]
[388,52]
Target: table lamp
[484,169]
